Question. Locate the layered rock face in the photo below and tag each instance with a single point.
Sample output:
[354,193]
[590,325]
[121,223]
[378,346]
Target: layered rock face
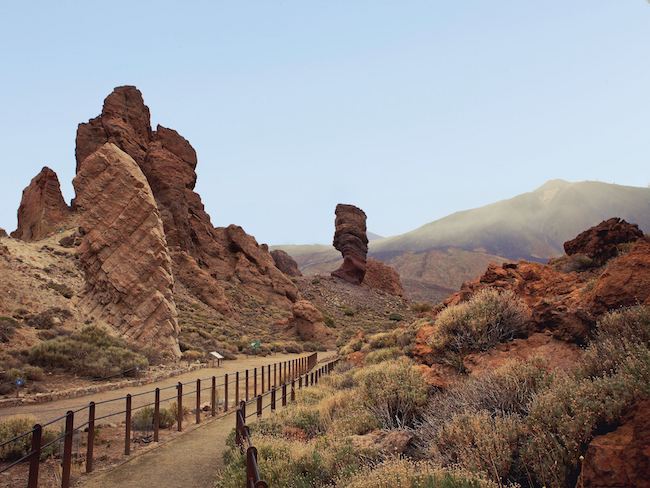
[601,241]
[285,263]
[351,241]
[123,252]
[223,267]
[380,276]
[309,324]
[42,207]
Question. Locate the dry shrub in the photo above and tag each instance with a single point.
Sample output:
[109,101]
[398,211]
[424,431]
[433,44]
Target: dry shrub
[396,473]
[381,355]
[13,426]
[393,391]
[489,317]
[479,442]
[381,340]
[143,418]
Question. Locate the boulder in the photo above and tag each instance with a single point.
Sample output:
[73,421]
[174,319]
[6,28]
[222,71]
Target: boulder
[387,443]
[3,233]
[601,242]
[309,324]
[621,457]
[285,263]
[380,276]
[123,253]
[351,240]
[42,208]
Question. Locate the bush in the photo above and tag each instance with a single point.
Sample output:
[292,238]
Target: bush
[409,474]
[8,326]
[479,442]
[381,340]
[61,289]
[13,426]
[192,356]
[395,317]
[421,307]
[143,419]
[394,392]
[489,317]
[381,355]
[90,352]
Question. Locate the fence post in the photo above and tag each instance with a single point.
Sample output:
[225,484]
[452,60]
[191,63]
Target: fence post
[156,415]
[273,399]
[225,392]
[259,405]
[293,390]
[254,381]
[213,396]
[127,429]
[311,380]
[300,382]
[246,395]
[90,444]
[35,458]
[67,449]
[284,394]
[238,428]
[237,388]
[242,407]
[262,380]
[268,371]
[179,406]
[275,375]
[198,401]
[285,371]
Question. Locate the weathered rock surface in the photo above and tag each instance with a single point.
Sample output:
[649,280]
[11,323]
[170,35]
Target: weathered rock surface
[351,240]
[42,207]
[622,457]
[601,241]
[309,323]
[123,253]
[285,263]
[386,442]
[383,277]
[223,267]
[3,233]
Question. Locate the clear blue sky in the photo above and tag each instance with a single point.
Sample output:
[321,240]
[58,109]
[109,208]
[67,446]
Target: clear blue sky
[409,109]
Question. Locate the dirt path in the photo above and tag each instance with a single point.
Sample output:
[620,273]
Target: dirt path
[189,460]
[44,412]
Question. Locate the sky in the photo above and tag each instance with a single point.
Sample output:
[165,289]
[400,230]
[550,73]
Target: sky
[409,109]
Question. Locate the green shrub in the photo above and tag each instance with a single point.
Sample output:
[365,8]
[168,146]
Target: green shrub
[381,340]
[393,391]
[13,426]
[143,419]
[90,352]
[293,348]
[489,317]
[421,307]
[192,356]
[61,289]
[381,355]
[395,317]
[348,312]
[404,473]
[329,322]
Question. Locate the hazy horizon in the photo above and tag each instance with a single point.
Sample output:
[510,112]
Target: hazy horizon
[412,112]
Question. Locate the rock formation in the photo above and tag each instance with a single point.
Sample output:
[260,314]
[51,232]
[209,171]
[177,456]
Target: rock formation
[351,241]
[601,241]
[383,277]
[309,324]
[123,253]
[3,233]
[285,263]
[42,208]
[223,267]
[621,457]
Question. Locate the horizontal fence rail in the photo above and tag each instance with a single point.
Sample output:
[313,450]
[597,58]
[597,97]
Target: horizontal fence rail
[243,439]
[220,390]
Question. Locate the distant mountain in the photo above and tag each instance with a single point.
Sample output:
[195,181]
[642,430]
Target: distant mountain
[529,226]
[438,257]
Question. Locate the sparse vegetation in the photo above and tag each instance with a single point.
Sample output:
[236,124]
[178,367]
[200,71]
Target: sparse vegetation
[8,326]
[13,426]
[90,352]
[143,418]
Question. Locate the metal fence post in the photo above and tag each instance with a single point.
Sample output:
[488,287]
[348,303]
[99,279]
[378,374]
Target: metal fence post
[237,388]
[275,375]
[293,390]
[259,405]
[273,399]
[262,380]
[198,401]
[179,406]
[156,415]
[35,458]
[268,374]
[213,396]
[246,395]
[67,449]
[300,382]
[127,430]
[90,444]
[255,382]
[284,394]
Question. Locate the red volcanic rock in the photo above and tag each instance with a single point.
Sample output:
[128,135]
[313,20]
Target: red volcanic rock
[351,240]
[309,323]
[129,281]
[42,208]
[223,267]
[380,276]
[600,242]
[625,281]
[285,263]
[622,457]
[3,233]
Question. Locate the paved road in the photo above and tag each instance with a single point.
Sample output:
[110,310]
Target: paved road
[44,412]
[189,460]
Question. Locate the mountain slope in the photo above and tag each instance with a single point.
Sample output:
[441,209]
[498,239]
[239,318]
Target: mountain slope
[533,225]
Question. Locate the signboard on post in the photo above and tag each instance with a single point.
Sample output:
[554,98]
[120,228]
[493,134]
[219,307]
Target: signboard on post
[215,355]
